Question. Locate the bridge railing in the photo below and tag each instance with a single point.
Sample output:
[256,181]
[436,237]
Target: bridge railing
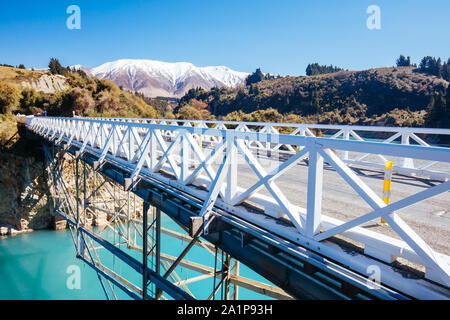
[387,135]
[174,154]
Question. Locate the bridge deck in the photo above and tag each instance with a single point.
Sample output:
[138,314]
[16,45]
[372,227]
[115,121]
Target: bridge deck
[431,217]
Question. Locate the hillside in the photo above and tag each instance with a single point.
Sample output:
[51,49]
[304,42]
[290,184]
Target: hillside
[33,92]
[348,97]
[39,81]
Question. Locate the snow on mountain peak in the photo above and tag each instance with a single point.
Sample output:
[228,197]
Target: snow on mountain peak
[156,78]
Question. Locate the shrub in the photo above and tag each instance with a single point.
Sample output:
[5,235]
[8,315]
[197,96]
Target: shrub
[189,113]
[9,97]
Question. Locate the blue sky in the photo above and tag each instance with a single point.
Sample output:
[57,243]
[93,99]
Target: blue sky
[281,37]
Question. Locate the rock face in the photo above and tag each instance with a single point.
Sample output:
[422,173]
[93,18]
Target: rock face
[156,78]
[47,83]
[28,197]
[24,194]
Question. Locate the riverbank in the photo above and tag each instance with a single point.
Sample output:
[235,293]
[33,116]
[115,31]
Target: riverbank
[8,230]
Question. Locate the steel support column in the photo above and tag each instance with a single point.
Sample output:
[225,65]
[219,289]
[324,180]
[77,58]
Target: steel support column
[145,249]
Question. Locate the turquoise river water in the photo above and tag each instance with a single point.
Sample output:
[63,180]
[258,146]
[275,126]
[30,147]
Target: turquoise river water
[36,266]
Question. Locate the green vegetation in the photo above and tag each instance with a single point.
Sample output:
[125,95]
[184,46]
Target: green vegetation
[398,96]
[20,66]
[193,109]
[433,66]
[56,68]
[85,96]
[268,115]
[189,112]
[95,97]
[438,111]
[9,97]
[314,69]
[164,106]
[404,62]
[16,76]
[8,129]
[258,76]
[255,77]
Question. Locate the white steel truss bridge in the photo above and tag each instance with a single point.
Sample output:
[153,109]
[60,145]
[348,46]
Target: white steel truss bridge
[300,209]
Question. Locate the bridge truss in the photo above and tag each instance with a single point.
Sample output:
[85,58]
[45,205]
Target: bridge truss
[108,218]
[191,171]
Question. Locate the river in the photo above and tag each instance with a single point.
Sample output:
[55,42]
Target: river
[36,266]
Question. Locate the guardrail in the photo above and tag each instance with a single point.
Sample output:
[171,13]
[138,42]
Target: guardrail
[391,135]
[174,154]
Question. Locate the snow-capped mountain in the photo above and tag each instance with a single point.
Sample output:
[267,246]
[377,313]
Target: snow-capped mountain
[156,78]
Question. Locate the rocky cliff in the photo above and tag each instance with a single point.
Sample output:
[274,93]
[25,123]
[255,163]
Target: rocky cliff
[24,193]
[47,83]
[27,197]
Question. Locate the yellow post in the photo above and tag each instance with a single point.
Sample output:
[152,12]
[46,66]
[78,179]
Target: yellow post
[387,184]
[200,143]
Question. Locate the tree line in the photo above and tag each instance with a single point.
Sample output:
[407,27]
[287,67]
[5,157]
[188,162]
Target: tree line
[20,66]
[428,65]
[258,76]
[314,69]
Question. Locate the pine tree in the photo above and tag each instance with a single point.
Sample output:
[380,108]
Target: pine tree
[446,118]
[56,68]
[438,111]
[287,101]
[255,77]
[433,66]
[403,62]
[438,68]
[446,70]
[315,102]
[315,69]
